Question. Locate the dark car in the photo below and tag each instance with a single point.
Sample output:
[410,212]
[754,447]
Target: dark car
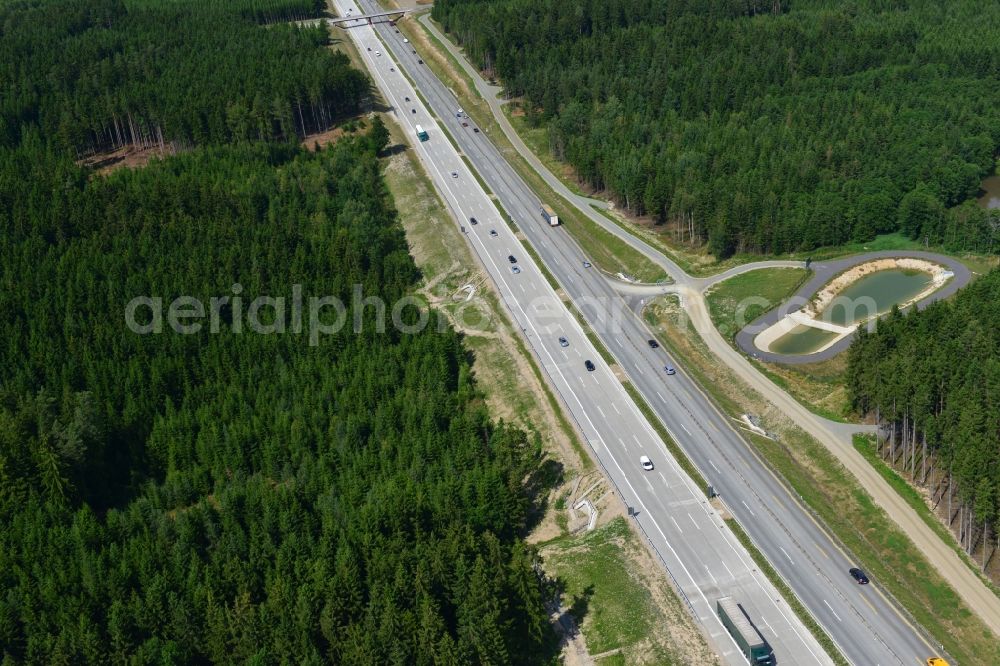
[653,344]
[473,221]
[476,130]
[413,110]
[493,232]
[465,124]
[589,365]
[407,99]
[419,61]
[859,575]
[511,258]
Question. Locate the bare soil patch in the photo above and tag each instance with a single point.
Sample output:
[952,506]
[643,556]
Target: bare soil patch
[322,139]
[129,156]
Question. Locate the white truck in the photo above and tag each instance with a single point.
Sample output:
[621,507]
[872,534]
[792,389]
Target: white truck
[549,215]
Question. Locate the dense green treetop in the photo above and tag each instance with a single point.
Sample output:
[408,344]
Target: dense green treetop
[231,496]
[96,74]
[760,126]
[939,369]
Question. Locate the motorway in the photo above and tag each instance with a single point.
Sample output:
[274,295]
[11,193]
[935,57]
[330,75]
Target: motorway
[835,436]
[699,552]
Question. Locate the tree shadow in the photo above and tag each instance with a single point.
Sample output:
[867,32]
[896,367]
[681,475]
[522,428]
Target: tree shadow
[546,476]
[393,150]
[580,606]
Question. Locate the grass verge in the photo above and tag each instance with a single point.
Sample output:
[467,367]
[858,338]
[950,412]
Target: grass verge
[605,586]
[834,496]
[742,298]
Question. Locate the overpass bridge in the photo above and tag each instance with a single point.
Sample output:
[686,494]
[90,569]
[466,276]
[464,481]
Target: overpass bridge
[351,17]
[355,19]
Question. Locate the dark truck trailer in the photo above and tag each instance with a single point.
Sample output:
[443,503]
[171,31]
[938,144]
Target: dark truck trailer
[751,643]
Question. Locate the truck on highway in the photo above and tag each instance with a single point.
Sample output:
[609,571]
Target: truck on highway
[422,133]
[751,643]
[549,215]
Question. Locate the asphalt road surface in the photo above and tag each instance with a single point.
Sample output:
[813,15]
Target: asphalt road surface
[697,550]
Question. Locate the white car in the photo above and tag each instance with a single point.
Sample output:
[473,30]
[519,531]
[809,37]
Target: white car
[405,40]
[378,53]
[646,463]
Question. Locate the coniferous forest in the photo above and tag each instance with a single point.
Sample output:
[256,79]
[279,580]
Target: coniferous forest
[231,497]
[761,127]
[932,380]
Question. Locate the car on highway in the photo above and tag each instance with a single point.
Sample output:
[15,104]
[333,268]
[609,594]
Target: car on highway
[936,661]
[473,221]
[397,32]
[493,232]
[859,575]
[589,365]
[392,69]
[515,269]
[407,99]
[465,124]
[563,342]
[454,174]
[586,264]
[405,40]
[476,130]
[511,258]
[413,110]
[670,369]
[369,48]
[419,61]
[646,463]
[378,53]
[653,344]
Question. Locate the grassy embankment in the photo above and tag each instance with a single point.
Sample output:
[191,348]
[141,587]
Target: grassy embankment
[818,386]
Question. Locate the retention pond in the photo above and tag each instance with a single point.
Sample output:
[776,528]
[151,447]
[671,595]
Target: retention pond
[858,295]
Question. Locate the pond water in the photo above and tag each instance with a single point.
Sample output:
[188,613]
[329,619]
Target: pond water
[872,295]
[802,340]
[990,192]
